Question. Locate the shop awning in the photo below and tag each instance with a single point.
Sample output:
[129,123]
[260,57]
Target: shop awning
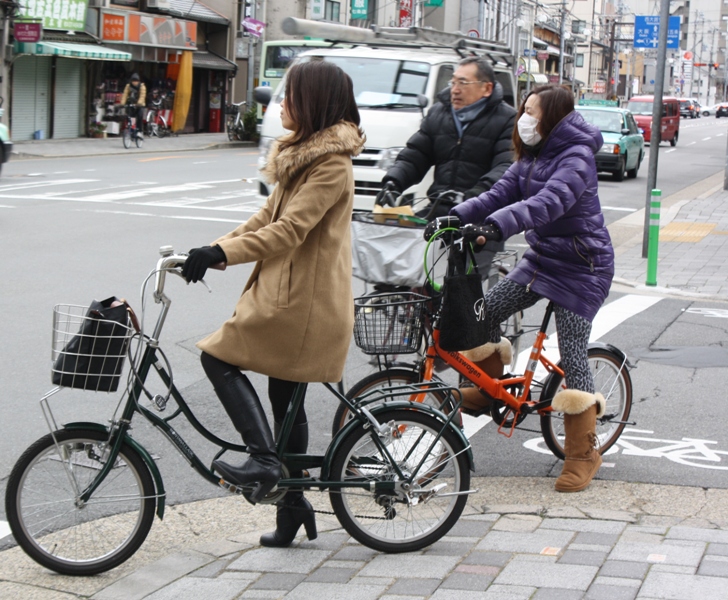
[208,60]
[83,51]
[532,64]
[194,11]
[552,50]
[538,78]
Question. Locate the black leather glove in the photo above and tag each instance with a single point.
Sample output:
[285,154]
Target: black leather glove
[472,232]
[201,259]
[388,195]
[440,223]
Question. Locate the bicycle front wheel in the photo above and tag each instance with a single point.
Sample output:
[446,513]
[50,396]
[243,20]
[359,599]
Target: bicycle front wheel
[612,380]
[126,138]
[59,531]
[385,379]
[139,140]
[430,471]
[230,127]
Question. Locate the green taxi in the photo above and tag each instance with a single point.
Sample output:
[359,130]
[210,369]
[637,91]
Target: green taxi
[624,146]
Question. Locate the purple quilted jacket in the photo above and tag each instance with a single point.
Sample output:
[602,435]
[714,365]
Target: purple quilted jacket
[553,198]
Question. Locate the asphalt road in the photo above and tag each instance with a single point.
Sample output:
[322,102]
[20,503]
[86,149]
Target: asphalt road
[85,228]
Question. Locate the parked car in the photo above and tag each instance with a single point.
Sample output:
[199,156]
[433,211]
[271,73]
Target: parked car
[689,108]
[624,145]
[708,111]
[721,110]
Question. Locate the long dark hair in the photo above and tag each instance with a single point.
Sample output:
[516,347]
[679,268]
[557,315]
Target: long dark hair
[318,95]
[555,102]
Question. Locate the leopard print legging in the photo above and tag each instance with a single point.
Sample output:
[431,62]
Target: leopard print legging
[508,297]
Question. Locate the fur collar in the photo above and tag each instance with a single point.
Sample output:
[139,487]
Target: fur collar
[285,164]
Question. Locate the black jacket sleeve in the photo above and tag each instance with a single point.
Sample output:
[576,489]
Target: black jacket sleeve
[415,160]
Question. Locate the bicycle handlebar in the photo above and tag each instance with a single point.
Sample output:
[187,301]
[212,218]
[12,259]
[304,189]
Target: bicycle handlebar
[172,263]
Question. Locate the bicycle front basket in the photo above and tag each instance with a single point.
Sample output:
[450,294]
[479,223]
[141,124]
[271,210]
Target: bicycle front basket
[389,323]
[232,109]
[89,345]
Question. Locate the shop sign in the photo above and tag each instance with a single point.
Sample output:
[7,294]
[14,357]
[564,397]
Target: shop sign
[542,55]
[599,87]
[69,15]
[149,30]
[253,27]
[405,13]
[360,9]
[27,32]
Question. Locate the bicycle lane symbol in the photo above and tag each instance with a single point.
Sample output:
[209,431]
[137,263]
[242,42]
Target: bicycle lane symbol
[690,452]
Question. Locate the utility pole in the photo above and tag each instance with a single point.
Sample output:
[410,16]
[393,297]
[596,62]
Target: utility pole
[562,33]
[610,69]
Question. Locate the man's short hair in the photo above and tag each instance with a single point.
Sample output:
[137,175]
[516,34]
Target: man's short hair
[485,69]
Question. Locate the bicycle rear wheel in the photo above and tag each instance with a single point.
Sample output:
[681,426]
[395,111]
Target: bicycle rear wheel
[139,140]
[230,127]
[126,138]
[385,379]
[431,496]
[54,528]
[612,380]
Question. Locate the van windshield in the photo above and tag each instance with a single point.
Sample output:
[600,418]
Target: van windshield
[640,108]
[383,83]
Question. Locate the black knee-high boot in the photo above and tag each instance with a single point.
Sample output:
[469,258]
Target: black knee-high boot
[242,405]
[296,510]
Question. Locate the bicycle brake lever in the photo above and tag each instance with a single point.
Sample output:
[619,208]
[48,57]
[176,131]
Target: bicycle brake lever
[203,282]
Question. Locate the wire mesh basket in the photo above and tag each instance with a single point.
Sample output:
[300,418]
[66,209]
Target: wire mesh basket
[389,323]
[232,109]
[88,350]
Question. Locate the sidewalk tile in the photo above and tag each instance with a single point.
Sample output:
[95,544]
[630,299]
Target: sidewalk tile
[660,568]
[495,559]
[446,548]
[509,592]
[413,566]
[581,557]
[285,560]
[584,525]
[619,568]
[673,586]
[517,523]
[717,549]
[391,597]
[355,552]
[596,539]
[565,512]
[262,594]
[716,536]
[194,588]
[533,542]
[657,553]
[609,592]
[714,568]
[470,528]
[557,594]
[325,574]
[467,581]
[618,581]
[383,581]
[524,572]
[317,591]
[414,586]
[519,509]
[277,581]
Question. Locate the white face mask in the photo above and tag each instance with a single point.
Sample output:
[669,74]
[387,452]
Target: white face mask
[527,130]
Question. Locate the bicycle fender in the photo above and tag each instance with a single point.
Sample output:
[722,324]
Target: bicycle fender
[146,457]
[344,431]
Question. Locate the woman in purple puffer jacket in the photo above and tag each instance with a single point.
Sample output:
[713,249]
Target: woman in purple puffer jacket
[550,192]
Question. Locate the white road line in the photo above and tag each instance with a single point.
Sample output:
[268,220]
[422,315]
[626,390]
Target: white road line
[182,217]
[38,184]
[6,206]
[706,139]
[690,144]
[4,529]
[620,208]
[668,151]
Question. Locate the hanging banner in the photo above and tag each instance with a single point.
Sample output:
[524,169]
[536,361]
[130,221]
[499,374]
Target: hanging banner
[69,15]
[253,27]
[359,9]
[405,13]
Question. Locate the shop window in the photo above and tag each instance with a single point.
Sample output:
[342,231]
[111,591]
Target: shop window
[332,11]
[579,60]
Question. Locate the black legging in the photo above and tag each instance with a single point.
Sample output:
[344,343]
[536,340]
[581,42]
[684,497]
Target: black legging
[280,392]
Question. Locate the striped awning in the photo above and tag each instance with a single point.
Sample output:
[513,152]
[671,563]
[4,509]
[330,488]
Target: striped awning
[84,51]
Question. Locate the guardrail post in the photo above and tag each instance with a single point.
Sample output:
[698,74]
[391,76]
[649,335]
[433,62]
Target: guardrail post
[654,237]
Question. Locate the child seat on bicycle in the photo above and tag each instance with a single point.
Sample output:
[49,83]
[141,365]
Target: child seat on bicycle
[550,192]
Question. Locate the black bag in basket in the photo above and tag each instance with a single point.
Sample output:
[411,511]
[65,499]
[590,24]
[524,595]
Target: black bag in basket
[462,317]
[94,357]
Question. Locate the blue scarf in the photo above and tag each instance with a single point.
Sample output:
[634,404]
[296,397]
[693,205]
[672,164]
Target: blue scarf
[465,115]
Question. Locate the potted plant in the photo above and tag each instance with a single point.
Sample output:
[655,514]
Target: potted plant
[97,129]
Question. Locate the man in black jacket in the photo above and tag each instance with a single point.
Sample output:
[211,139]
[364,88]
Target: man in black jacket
[466,136]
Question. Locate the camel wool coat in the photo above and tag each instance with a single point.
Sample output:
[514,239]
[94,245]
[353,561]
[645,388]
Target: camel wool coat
[294,319]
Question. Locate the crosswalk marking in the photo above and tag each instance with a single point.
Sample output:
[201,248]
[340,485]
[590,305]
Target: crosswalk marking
[4,529]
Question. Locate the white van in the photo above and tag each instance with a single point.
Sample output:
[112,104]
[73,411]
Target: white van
[394,86]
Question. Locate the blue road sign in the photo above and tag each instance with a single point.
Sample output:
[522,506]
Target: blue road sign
[530,52]
[647,31]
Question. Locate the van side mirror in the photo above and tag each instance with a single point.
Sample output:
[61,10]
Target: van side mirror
[263,94]
[625,131]
[422,102]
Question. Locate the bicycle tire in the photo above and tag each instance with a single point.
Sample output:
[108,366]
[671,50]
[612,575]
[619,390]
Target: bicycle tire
[380,379]
[609,374]
[162,128]
[139,140]
[230,127]
[76,540]
[126,138]
[391,522]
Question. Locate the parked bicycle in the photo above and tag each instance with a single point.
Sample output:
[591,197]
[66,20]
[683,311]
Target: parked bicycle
[82,499]
[234,124]
[131,131]
[398,317]
[155,124]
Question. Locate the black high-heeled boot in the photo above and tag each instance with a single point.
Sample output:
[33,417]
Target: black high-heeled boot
[296,510]
[237,395]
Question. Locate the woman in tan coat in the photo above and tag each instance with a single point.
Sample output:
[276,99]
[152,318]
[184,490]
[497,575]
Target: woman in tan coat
[294,319]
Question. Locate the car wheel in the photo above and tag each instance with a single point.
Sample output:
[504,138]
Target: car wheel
[632,173]
[618,173]
[673,141]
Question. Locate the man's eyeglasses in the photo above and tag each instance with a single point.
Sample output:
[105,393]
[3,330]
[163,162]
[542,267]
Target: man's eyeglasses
[462,82]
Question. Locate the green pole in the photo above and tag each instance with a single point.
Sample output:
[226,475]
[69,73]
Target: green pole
[654,237]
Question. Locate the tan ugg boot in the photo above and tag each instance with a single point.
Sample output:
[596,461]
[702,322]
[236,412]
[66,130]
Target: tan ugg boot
[583,460]
[490,358]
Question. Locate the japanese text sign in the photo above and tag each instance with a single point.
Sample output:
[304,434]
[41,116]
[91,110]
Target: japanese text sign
[647,31]
[69,15]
